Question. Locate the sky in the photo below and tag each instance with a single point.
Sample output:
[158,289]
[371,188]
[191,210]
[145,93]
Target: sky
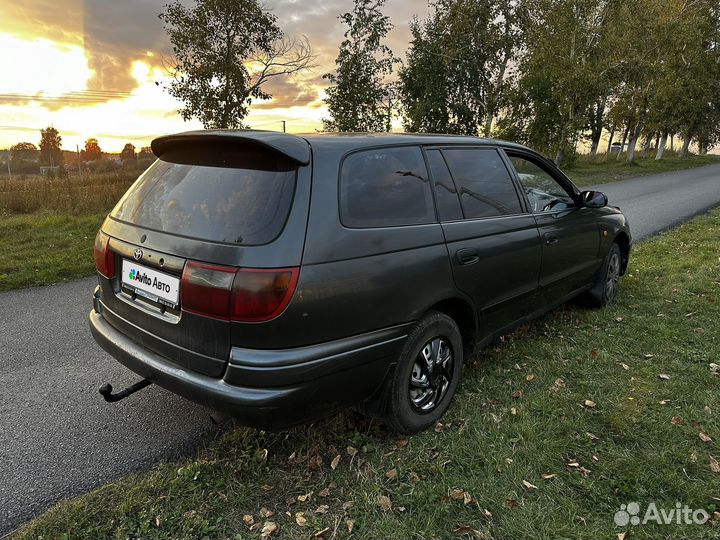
[90,68]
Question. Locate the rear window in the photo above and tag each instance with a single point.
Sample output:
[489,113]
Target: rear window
[385,187]
[231,197]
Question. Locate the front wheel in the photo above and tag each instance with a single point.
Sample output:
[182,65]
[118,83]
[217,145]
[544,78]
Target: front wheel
[605,287]
[427,374]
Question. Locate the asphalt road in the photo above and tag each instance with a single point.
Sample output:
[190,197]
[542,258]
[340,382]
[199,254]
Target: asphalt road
[58,438]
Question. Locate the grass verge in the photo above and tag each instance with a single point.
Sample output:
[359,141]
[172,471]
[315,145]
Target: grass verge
[602,169]
[38,249]
[553,429]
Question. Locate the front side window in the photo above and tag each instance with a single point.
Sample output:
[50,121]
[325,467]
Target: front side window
[385,187]
[544,193]
[485,186]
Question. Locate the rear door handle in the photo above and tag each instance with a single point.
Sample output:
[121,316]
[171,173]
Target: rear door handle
[550,239]
[467,256]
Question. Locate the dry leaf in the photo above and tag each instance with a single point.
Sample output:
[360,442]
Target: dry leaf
[300,519]
[714,465]
[664,376]
[248,519]
[414,477]
[529,485]
[266,513]
[266,487]
[350,523]
[593,353]
[324,492]
[306,497]
[593,438]
[704,437]
[676,420]
[714,369]
[649,355]
[517,394]
[621,535]
[464,530]
[347,505]
[511,503]
[486,513]
[384,502]
[618,319]
[530,377]
[268,529]
[707,410]
[321,533]
[589,404]
[322,509]
[548,476]
[439,427]
[334,463]
[513,411]
[391,474]
[560,383]
[351,451]
[624,366]
[401,443]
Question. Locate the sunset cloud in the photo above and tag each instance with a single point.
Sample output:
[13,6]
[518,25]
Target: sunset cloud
[90,68]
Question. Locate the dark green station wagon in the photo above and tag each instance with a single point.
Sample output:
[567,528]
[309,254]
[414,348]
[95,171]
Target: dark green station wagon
[280,277]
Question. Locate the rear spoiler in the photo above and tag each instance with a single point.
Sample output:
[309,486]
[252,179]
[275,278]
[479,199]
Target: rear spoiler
[290,146]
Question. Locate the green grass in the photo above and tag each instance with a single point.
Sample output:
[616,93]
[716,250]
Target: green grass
[519,414]
[38,249]
[602,169]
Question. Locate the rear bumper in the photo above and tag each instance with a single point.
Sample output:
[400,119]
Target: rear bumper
[268,388]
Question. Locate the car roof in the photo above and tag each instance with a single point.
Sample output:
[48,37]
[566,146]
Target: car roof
[298,147]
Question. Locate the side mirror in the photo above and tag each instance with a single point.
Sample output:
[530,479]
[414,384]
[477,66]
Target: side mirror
[593,199]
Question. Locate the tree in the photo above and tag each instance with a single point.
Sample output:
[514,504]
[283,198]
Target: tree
[23,151]
[146,152]
[359,97]
[452,84]
[92,150]
[224,53]
[128,151]
[50,147]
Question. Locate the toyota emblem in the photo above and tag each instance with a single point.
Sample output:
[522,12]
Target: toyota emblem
[138,254]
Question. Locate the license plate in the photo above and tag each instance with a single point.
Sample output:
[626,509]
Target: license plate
[151,284]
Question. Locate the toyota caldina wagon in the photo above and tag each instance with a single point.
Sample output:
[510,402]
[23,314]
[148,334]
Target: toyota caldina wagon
[279,277]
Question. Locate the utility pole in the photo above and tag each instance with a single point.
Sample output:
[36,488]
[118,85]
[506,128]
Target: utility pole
[283,123]
[77,148]
[9,173]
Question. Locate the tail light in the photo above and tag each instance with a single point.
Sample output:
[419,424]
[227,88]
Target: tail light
[104,258]
[247,295]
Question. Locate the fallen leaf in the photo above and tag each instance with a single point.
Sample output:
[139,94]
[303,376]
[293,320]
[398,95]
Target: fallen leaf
[268,528]
[560,383]
[322,509]
[334,463]
[714,369]
[593,353]
[157,521]
[511,503]
[439,427]
[266,513]
[649,355]
[589,404]
[266,487]
[530,377]
[624,366]
[384,502]
[664,376]
[548,476]
[321,533]
[464,530]
[401,443]
[306,497]
[391,474]
[351,451]
[457,494]
[676,420]
[517,394]
[529,485]
[300,519]
[707,410]
[486,513]
[593,438]
[618,319]
[513,411]
[714,465]
[347,505]
[350,523]
[621,535]
[248,519]
[704,437]
[323,492]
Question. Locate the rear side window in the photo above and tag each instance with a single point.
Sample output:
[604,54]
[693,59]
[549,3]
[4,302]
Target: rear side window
[234,196]
[483,181]
[448,204]
[385,187]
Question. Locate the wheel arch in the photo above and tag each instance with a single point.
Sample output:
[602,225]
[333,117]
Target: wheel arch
[460,311]
[623,242]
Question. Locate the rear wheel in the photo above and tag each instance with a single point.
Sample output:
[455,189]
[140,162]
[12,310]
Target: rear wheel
[427,374]
[605,287]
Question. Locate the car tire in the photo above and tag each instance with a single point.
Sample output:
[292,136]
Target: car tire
[605,287]
[427,374]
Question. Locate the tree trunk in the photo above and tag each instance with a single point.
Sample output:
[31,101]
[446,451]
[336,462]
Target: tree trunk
[661,146]
[657,140]
[633,143]
[622,145]
[595,142]
[560,157]
[686,145]
[672,142]
[646,144]
[596,126]
[610,141]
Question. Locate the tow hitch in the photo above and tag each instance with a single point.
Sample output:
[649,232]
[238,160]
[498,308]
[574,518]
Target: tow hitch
[106,391]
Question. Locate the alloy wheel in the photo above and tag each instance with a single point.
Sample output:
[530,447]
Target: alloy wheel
[431,375]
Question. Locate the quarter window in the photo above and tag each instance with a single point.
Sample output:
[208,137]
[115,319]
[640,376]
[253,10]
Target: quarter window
[446,195]
[483,181]
[385,187]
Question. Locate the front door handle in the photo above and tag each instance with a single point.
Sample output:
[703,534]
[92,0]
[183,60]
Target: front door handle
[467,256]
[550,239]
